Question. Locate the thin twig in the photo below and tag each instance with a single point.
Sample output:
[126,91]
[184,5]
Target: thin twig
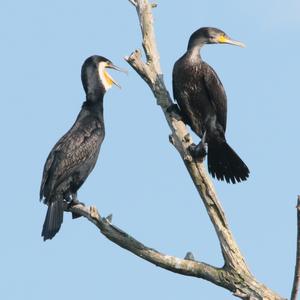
[297,266]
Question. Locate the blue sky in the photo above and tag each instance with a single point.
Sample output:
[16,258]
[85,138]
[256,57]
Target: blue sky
[139,176]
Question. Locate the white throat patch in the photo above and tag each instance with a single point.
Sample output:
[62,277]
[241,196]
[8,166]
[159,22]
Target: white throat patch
[105,78]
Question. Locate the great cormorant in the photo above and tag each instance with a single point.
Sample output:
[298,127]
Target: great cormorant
[203,104]
[74,156]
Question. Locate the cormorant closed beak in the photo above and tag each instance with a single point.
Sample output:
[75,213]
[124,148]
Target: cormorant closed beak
[227,40]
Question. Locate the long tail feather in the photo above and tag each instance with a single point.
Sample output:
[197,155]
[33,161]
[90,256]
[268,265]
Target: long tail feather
[53,220]
[225,164]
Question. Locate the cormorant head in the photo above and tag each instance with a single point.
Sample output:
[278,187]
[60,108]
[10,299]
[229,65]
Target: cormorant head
[210,35]
[95,77]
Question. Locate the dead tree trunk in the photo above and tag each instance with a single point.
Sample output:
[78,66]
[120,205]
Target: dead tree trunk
[235,275]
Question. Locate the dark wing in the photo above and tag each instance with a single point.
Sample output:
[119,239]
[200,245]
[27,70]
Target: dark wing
[70,153]
[180,92]
[49,167]
[174,85]
[216,93]
[189,92]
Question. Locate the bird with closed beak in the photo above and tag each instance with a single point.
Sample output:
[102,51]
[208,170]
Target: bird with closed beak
[202,100]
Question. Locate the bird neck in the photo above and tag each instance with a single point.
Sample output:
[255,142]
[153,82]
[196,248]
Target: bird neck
[193,53]
[197,42]
[94,103]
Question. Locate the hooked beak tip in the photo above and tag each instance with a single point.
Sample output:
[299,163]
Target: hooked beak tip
[241,45]
[236,43]
[118,85]
[112,66]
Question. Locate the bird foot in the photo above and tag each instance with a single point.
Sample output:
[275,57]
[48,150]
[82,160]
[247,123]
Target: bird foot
[73,203]
[174,109]
[198,151]
[201,150]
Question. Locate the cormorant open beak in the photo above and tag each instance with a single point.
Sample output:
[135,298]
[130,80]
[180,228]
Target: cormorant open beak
[227,40]
[112,66]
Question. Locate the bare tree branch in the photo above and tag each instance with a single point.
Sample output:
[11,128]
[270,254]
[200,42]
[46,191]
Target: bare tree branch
[151,73]
[181,266]
[297,266]
[234,275]
[242,287]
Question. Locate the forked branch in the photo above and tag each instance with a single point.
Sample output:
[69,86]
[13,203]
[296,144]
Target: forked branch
[234,275]
[151,72]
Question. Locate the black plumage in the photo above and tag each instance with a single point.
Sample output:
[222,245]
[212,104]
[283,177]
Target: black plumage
[202,100]
[74,156]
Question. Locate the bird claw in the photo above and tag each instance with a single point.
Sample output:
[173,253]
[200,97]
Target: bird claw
[72,200]
[199,151]
[73,203]
[174,110]
[192,148]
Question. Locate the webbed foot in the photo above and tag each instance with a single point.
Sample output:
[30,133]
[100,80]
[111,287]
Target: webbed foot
[199,151]
[74,202]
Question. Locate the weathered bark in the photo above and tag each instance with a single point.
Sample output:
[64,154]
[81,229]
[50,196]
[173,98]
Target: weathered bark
[241,284]
[151,73]
[235,275]
[297,266]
